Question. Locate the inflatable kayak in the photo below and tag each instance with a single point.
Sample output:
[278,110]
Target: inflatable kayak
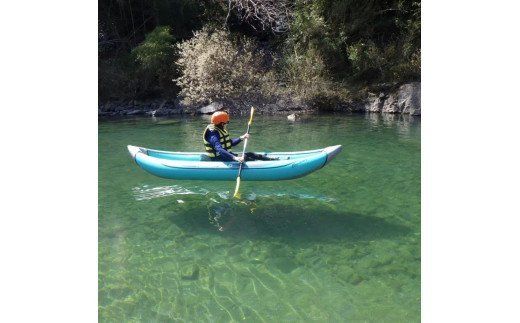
[198,166]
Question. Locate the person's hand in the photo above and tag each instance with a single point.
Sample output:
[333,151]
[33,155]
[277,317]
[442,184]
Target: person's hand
[239,159]
[244,136]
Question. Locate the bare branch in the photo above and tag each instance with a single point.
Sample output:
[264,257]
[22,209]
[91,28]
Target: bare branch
[274,15]
[228,13]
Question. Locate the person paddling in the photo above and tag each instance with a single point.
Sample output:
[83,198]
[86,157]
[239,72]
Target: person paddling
[218,143]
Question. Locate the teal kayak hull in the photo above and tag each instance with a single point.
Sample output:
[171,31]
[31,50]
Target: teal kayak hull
[197,166]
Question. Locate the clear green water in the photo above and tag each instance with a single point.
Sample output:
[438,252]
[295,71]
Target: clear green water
[342,244]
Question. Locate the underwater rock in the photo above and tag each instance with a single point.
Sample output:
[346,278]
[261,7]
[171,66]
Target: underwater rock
[284,264]
[349,275]
[190,272]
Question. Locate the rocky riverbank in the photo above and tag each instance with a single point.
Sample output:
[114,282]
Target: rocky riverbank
[404,99]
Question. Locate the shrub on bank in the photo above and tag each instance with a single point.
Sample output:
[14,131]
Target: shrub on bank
[215,65]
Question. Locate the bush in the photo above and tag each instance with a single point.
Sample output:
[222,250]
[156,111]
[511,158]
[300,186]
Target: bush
[311,59]
[215,66]
[308,79]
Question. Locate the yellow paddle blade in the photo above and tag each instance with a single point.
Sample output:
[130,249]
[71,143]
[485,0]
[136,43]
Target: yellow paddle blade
[237,187]
[251,117]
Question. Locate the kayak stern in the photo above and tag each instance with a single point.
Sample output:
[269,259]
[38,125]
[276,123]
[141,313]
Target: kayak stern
[331,152]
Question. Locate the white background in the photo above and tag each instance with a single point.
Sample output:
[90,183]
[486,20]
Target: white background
[470,160]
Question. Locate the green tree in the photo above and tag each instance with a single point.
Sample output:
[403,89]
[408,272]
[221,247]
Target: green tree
[155,58]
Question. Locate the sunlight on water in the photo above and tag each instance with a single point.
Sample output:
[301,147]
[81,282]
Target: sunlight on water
[147,193]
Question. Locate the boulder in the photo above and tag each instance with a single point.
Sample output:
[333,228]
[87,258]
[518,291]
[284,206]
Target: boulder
[293,117]
[390,104]
[374,102]
[215,106]
[409,98]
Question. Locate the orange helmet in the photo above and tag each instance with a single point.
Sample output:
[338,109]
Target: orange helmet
[219,117]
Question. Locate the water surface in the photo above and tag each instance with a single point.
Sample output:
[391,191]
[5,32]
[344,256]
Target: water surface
[341,244]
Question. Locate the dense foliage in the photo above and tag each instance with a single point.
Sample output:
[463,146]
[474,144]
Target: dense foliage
[211,49]
[216,66]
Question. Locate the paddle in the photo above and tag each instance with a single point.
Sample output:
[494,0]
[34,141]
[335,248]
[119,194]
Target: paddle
[243,153]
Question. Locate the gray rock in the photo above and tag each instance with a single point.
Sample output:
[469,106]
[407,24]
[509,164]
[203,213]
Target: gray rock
[409,98]
[166,112]
[375,102]
[390,104]
[293,117]
[215,106]
[134,112]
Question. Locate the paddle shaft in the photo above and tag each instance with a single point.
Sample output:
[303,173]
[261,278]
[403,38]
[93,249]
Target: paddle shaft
[244,151]
[243,154]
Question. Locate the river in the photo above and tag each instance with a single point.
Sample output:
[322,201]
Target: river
[341,244]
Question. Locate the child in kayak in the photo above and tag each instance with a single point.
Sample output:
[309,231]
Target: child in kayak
[218,142]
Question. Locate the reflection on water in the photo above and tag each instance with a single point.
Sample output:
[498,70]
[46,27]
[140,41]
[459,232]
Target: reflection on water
[403,124]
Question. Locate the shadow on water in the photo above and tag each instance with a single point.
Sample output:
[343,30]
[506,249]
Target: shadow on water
[292,220]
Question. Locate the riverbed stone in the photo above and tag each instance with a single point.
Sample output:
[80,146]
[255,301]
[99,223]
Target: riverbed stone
[190,272]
